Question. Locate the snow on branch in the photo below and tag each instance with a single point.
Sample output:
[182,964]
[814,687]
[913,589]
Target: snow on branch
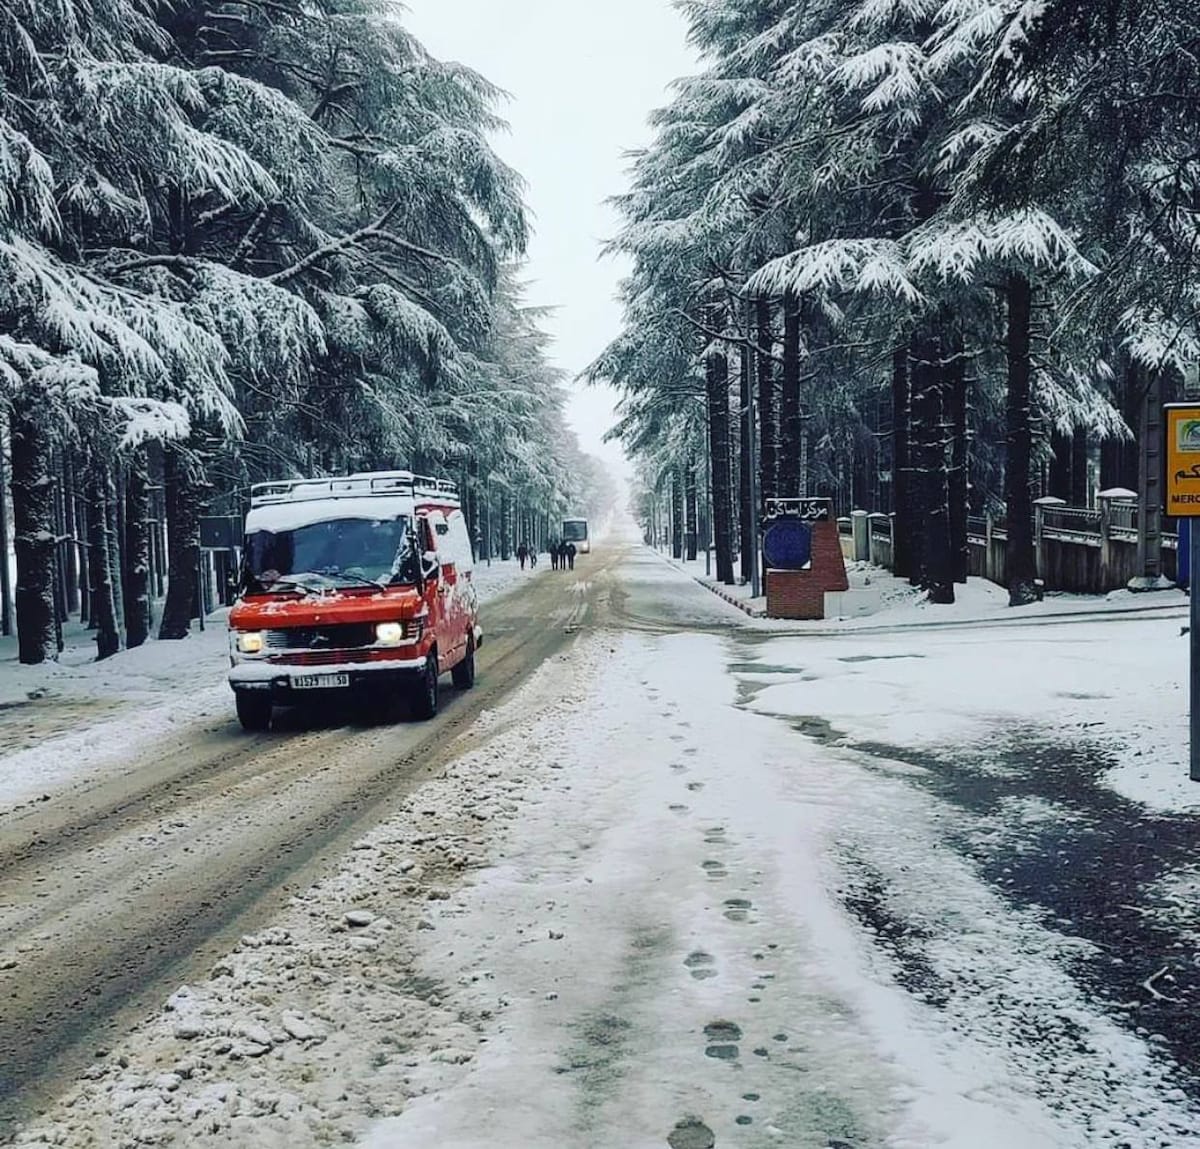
[873,15]
[895,73]
[1159,342]
[142,420]
[26,184]
[1029,237]
[873,266]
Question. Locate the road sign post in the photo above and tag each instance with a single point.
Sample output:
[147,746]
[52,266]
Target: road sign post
[1181,499]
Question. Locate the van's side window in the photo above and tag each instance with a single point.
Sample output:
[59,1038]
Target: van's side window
[461,542]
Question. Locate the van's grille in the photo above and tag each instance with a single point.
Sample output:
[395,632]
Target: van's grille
[323,657]
[341,636]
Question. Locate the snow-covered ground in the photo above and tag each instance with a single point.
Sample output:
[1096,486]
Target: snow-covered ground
[670,895]
[77,716]
[878,598]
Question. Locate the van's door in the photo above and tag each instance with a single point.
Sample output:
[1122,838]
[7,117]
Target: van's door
[445,602]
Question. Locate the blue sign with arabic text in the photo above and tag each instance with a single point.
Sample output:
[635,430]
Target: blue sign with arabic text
[787,545]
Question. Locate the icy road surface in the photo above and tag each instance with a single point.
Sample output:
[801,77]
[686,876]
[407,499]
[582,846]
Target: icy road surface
[658,882]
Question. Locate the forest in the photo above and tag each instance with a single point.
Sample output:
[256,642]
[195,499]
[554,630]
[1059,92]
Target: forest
[245,240]
[934,258]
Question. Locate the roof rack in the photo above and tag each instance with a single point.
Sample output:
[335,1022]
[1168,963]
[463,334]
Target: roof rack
[355,487]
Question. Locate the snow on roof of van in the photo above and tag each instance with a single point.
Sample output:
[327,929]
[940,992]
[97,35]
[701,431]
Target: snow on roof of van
[289,516]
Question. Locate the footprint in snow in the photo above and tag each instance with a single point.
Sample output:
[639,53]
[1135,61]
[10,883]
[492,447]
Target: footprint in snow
[722,1037]
[691,1133]
[700,965]
[737,909]
[694,786]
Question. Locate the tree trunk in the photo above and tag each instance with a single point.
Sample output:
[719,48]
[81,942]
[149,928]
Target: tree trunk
[1020,559]
[81,552]
[182,489]
[137,551]
[1079,468]
[1059,484]
[691,511]
[929,455]
[70,547]
[768,414]
[790,423]
[505,526]
[1119,457]
[745,460]
[33,536]
[100,497]
[7,608]
[717,379]
[902,520]
[677,514]
[115,502]
[956,392]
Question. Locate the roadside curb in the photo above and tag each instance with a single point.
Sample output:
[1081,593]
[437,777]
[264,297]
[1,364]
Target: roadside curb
[714,588]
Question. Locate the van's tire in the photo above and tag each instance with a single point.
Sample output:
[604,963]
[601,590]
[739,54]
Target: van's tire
[425,692]
[464,673]
[254,711]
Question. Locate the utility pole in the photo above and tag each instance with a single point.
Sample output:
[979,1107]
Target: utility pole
[1181,483]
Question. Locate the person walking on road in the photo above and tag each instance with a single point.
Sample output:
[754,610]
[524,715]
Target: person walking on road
[522,554]
[554,554]
[533,552]
[571,555]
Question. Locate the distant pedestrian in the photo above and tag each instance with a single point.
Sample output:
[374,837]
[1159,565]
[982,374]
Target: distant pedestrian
[571,555]
[554,554]
[533,556]
[522,554]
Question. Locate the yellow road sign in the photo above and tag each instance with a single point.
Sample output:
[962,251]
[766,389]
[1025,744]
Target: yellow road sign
[1181,460]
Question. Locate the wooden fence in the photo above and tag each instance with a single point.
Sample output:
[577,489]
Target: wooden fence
[1079,549]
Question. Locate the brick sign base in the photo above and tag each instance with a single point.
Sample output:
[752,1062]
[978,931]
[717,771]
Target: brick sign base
[801,594]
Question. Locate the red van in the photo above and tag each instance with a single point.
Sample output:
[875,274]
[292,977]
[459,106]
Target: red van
[359,585]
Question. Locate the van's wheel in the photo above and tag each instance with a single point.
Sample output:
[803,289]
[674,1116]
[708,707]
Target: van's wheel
[464,673]
[253,711]
[425,694]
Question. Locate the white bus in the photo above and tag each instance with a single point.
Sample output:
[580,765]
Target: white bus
[576,531]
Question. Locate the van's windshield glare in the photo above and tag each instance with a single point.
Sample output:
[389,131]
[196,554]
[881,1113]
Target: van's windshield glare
[342,552]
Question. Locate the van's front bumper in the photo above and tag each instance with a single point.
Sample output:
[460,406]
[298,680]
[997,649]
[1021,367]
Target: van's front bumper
[275,678]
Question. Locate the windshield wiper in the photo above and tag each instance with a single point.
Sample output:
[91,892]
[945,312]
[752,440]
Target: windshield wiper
[281,584]
[362,580]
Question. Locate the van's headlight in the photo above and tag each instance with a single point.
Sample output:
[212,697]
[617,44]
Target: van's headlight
[250,642]
[389,633]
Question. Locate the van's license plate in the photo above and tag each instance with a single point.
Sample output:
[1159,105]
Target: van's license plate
[319,681]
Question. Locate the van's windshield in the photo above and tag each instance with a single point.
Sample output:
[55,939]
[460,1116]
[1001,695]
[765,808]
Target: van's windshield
[341,552]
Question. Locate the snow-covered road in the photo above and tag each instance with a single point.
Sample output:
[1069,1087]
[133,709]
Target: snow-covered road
[690,886]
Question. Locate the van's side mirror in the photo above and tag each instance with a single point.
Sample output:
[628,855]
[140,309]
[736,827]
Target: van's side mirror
[430,564]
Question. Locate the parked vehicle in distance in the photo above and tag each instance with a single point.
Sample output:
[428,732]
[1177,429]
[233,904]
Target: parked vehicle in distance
[358,585]
[576,531]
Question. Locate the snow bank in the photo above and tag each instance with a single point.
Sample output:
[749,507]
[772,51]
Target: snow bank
[1118,683]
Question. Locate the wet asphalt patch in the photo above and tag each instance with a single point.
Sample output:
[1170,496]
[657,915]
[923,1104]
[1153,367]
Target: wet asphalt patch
[1089,871]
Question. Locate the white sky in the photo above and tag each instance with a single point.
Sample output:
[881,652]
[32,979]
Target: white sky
[583,78]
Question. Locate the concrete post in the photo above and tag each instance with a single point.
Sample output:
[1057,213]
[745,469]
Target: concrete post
[1039,529]
[1106,499]
[860,528]
[989,565]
